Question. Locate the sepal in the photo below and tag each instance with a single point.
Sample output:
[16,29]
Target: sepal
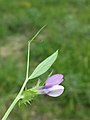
[27,96]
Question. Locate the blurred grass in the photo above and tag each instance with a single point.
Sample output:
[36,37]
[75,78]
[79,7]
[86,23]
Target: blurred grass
[68,30]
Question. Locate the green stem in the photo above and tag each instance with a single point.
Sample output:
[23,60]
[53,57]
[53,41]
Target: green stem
[28,56]
[18,97]
[37,33]
[11,107]
[22,88]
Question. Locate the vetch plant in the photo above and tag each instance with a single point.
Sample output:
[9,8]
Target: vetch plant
[50,88]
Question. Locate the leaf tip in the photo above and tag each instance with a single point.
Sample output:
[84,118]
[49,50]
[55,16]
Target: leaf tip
[56,52]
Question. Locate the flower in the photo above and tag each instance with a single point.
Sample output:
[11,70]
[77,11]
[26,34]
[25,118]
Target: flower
[52,87]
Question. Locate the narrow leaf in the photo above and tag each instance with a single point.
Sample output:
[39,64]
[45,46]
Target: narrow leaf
[44,66]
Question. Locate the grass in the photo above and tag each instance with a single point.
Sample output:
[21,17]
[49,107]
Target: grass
[67,30]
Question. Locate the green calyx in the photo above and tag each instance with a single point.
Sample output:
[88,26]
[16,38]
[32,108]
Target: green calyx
[28,95]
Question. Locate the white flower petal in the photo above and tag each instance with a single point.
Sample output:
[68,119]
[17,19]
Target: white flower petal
[43,91]
[55,91]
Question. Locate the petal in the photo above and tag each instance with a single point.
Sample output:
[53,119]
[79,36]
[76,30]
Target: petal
[54,80]
[55,91]
[43,90]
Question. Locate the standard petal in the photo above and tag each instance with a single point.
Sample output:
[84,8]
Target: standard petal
[54,80]
[55,91]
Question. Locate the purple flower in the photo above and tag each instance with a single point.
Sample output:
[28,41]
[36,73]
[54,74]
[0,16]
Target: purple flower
[52,87]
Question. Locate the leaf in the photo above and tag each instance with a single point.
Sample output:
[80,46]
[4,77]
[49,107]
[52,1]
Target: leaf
[44,66]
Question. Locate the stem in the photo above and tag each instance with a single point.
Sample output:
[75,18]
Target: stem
[11,107]
[18,97]
[37,33]
[28,56]
[22,88]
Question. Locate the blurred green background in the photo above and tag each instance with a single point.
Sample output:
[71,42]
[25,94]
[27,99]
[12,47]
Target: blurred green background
[68,29]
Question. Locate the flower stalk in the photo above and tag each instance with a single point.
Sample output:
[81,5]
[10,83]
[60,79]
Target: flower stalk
[18,97]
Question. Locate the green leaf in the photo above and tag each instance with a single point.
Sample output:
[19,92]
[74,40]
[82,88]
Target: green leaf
[44,66]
